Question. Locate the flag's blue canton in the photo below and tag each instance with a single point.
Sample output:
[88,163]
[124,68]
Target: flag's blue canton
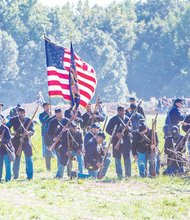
[75,98]
[54,55]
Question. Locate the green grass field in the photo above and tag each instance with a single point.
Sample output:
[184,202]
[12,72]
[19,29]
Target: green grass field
[110,198]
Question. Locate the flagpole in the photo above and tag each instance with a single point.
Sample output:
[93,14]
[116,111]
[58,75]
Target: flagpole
[50,104]
[44,29]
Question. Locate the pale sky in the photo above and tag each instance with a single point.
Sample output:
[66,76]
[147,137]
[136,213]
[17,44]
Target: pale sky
[62,2]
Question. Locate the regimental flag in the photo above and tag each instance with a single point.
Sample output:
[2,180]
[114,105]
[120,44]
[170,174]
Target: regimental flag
[68,75]
[73,81]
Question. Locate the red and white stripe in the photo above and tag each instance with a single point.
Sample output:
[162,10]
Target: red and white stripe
[58,80]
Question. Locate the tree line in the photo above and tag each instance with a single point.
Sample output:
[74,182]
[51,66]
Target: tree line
[140,47]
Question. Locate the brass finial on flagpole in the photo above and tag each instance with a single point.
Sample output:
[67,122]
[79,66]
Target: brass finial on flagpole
[44,30]
[71,35]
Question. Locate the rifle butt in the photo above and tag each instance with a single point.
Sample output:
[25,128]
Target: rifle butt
[100,175]
[153,170]
[19,151]
[116,147]
[52,147]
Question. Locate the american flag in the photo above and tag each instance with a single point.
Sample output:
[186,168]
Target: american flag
[58,67]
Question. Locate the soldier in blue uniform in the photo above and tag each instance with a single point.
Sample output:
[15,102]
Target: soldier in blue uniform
[90,117]
[141,149]
[19,133]
[174,117]
[70,145]
[94,129]
[44,118]
[5,139]
[140,110]
[93,154]
[174,161]
[14,111]
[137,117]
[76,145]
[69,113]
[101,109]
[63,155]
[55,126]
[124,149]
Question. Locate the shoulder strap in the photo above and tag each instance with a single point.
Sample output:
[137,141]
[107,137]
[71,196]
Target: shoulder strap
[2,136]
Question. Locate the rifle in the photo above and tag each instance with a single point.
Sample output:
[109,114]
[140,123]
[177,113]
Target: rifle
[104,126]
[10,151]
[22,125]
[153,143]
[61,133]
[175,151]
[95,110]
[69,155]
[125,126]
[19,150]
[2,137]
[100,174]
[182,140]
[9,148]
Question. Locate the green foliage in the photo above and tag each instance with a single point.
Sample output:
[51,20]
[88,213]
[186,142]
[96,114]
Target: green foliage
[133,46]
[156,59]
[9,69]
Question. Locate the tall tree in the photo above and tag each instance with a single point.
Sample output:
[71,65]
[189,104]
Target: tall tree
[8,66]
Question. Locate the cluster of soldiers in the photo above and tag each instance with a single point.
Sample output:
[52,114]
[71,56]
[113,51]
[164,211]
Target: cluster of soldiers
[164,104]
[71,136]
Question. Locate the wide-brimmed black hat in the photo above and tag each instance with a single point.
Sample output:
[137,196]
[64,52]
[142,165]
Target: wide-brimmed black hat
[21,109]
[178,100]
[102,135]
[74,124]
[58,110]
[95,125]
[142,127]
[132,99]
[45,103]
[120,108]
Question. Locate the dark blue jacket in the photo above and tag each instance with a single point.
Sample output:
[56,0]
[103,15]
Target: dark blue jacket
[171,143]
[76,141]
[16,125]
[174,116]
[44,118]
[54,128]
[87,138]
[187,120]
[141,144]
[63,149]
[139,110]
[6,138]
[125,147]
[13,112]
[135,120]
[93,154]
[88,121]
[68,112]
[72,145]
